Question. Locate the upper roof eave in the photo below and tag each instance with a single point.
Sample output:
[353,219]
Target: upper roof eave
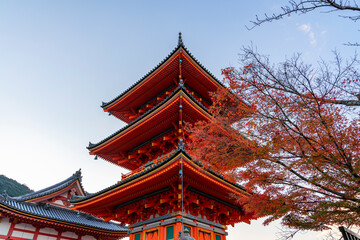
[181,45]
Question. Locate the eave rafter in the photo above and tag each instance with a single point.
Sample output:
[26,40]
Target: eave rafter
[169,202]
[115,149]
[132,114]
[153,149]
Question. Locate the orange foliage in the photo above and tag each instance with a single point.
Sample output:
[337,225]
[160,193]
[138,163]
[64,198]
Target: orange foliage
[299,153]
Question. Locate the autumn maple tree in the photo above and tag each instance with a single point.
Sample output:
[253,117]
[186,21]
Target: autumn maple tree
[291,135]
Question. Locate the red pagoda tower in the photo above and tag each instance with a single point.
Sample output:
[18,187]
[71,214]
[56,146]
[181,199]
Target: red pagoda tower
[166,190]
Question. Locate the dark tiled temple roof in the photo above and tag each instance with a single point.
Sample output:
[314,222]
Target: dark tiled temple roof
[151,168]
[52,189]
[58,214]
[91,145]
[180,45]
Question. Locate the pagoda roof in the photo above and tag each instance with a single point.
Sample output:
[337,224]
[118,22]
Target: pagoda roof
[165,112]
[134,96]
[55,189]
[165,166]
[54,215]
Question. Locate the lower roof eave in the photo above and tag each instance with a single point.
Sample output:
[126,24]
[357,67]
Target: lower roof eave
[77,227]
[84,203]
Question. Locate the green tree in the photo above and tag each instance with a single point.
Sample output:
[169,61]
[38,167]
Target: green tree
[12,187]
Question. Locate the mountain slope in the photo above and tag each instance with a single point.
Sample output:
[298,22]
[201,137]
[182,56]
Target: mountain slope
[12,187]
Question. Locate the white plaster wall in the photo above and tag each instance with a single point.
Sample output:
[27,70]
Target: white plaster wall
[69,234]
[64,194]
[25,226]
[59,202]
[87,237]
[48,231]
[4,226]
[22,235]
[42,237]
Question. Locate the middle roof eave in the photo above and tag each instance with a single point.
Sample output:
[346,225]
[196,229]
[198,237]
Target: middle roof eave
[93,147]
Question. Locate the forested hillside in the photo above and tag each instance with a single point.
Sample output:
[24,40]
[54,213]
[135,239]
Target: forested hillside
[12,187]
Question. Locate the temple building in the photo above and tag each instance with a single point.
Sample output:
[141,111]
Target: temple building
[166,191]
[46,215]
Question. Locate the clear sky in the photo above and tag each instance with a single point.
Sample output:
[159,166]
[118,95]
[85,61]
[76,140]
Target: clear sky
[60,59]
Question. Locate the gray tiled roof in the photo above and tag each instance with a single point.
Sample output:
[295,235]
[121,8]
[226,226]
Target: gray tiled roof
[66,216]
[51,189]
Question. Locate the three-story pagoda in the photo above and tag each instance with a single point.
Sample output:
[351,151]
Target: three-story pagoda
[165,190]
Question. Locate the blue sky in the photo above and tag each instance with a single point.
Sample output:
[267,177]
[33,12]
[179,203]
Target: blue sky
[60,59]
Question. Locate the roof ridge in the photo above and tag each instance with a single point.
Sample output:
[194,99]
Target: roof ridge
[202,66]
[53,188]
[104,104]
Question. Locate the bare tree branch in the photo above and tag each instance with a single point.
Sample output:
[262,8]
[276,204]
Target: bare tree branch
[305,6]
